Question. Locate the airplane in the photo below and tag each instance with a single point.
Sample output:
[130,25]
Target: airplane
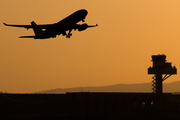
[51,30]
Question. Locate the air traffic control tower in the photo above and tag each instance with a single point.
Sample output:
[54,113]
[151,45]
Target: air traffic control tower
[160,67]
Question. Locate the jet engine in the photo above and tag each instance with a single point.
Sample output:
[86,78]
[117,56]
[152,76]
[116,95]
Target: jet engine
[82,27]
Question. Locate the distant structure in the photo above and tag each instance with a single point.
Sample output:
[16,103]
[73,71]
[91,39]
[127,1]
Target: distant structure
[160,67]
[98,105]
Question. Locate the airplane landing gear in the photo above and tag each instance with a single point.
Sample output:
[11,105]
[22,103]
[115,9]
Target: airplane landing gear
[68,36]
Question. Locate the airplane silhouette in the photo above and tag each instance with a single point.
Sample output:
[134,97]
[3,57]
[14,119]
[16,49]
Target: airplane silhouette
[51,30]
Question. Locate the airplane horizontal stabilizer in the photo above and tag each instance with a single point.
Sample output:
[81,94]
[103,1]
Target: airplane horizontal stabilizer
[4,23]
[26,36]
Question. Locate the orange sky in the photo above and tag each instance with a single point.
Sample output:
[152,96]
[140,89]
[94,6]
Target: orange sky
[117,51]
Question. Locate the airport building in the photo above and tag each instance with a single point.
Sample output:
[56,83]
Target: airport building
[96,105]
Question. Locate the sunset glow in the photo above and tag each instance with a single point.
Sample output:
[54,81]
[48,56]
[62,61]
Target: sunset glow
[117,51]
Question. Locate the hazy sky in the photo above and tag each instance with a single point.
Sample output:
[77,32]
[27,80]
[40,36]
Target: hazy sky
[117,51]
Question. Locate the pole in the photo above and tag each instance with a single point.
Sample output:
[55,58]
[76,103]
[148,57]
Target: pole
[159,91]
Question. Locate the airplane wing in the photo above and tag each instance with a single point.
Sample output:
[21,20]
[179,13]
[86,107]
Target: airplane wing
[30,26]
[80,27]
[83,26]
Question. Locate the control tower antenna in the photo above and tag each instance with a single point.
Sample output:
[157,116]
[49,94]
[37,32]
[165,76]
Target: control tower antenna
[160,67]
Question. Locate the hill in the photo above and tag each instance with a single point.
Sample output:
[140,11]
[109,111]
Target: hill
[141,87]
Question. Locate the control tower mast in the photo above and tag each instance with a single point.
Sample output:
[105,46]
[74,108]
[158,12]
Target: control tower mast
[160,67]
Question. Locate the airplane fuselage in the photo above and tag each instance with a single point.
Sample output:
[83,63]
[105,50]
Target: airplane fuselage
[64,25]
[51,30]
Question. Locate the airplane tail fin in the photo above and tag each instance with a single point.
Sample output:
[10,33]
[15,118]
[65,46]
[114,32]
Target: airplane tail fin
[37,31]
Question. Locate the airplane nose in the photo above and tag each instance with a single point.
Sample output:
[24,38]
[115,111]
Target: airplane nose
[85,12]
